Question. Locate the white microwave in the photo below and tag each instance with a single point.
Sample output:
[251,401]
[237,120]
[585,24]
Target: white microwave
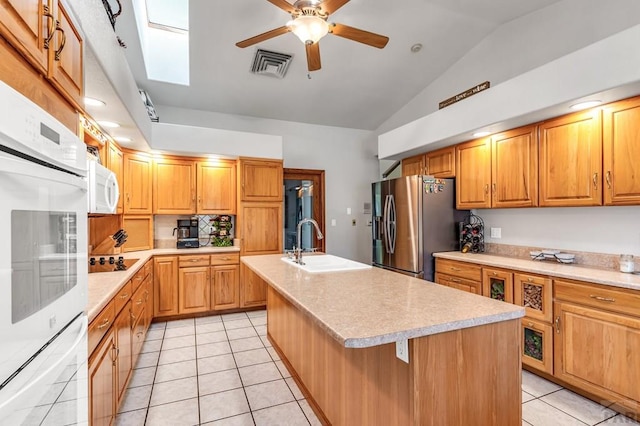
[103,191]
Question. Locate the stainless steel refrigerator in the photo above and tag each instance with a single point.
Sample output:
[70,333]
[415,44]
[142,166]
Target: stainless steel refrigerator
[414,217]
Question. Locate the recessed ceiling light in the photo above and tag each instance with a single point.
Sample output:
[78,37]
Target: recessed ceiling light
[586,104]
[122,139]
[109,124]
[481,134]
[93,102]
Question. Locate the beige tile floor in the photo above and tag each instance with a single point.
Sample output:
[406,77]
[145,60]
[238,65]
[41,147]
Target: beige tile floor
[222,370]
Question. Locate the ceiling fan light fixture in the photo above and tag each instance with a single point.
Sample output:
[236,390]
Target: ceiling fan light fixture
[309,29]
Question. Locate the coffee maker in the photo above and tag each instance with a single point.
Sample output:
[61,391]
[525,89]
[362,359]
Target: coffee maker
[187,230]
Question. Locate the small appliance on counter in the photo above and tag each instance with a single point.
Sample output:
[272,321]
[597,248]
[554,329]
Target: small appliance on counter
[187,233]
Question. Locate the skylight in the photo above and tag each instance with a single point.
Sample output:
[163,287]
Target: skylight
[163,28]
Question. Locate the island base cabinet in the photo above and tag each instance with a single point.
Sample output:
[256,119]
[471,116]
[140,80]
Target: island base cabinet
[449,379]
[597,351]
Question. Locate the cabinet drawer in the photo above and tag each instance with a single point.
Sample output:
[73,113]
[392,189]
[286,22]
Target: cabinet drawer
[100,325]
[123,296]
[459,269]
[138,303]
[603,297]
[225,259]
[148,268]
[137,279]
[469,286]
[195,260]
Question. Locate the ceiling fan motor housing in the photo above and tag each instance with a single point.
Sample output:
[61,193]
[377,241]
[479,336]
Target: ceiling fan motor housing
[309,8]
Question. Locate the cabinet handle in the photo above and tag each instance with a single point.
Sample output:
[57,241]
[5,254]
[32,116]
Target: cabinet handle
[124,296]
[104,324]
[595,181]
[128,199]
[602,299]
[455,280]
[226,258]
[51,24]
[493,188]
[530,325]
[139,302]
[495,274]
[63,41]
[454,269]
[133,317]
[530,279]
[486,189]
[608,178]
[558,325]
[112,354]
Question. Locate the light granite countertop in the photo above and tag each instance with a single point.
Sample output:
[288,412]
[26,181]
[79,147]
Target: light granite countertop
[573,272]
[104,285]
[370,307]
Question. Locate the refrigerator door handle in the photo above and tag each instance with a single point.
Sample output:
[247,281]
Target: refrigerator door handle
[392,224]
[377,233]
[385,224]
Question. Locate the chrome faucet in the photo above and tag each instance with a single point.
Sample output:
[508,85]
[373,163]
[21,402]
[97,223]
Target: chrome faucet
[298,251]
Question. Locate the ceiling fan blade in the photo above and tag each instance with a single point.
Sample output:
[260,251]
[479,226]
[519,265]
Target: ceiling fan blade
[282,4]
[361,36]
[262,37]
[330,6]
[313,56]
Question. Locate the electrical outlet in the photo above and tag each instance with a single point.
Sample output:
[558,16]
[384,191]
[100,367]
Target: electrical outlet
[496,233]
[333,222]
[402,350]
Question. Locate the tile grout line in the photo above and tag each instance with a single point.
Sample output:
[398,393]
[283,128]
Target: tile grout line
[244,390]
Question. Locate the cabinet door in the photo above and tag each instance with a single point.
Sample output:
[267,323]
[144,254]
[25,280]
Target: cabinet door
[66,57]
[413,165]
[463,284]
[137,183]
[253,289]
[621,151]
[24,24]
[225,286]
[497,284]
[473,174]
[594,350]
[537,345]
[194,290]
[535,294]
[174,186]
[123,350]
[441,163]
[261,228]
[261,180]
[514,168]
[571,160]
[115,163]
[165,277]
[102,382]
[139,233]
[216,187]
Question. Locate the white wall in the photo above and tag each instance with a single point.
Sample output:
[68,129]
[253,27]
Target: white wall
[611,230]
[521,45]
[346,155]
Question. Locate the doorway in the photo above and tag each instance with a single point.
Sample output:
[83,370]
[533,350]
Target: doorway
[303,198]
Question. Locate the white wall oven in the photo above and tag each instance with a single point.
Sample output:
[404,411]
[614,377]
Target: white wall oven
[43,267]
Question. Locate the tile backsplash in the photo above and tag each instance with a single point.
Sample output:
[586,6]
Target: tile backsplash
[164,225]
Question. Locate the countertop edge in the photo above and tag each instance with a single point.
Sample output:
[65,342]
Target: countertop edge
[572,272]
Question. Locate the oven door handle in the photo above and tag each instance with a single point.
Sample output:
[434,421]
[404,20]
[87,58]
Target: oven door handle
[111,192]
[10,165]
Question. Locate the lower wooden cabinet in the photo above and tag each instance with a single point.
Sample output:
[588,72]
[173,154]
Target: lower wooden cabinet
[253,289]
[123,350]
[225,287]
[537,345]
[165,276]
[459,283]
[194,289]
[102,382]
[460,275]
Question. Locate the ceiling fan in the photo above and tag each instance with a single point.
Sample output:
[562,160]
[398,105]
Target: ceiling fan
[309,24]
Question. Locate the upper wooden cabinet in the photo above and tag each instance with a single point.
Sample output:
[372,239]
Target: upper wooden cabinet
[174,186]
[261,180]
[138,175]
[571,160]
[260,228]
[66,57]
[514,168]
[413,165]
[621,151]
[44,33]
[473,174]
[441,163]
[115,163]
[216,187]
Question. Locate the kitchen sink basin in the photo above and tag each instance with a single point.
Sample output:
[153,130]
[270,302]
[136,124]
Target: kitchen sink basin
[326,263]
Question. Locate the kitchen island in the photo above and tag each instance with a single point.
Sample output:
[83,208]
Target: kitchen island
[337,333]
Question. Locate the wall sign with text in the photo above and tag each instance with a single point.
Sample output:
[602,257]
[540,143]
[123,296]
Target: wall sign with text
[460,96]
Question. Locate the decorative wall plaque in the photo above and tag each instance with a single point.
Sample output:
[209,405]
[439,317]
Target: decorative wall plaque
[460,96]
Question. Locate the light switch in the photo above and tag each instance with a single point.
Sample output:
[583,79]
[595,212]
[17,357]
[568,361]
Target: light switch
[348,210]
[496,233]
[333,222]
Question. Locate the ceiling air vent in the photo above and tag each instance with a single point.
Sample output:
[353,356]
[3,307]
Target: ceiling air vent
[270,63]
